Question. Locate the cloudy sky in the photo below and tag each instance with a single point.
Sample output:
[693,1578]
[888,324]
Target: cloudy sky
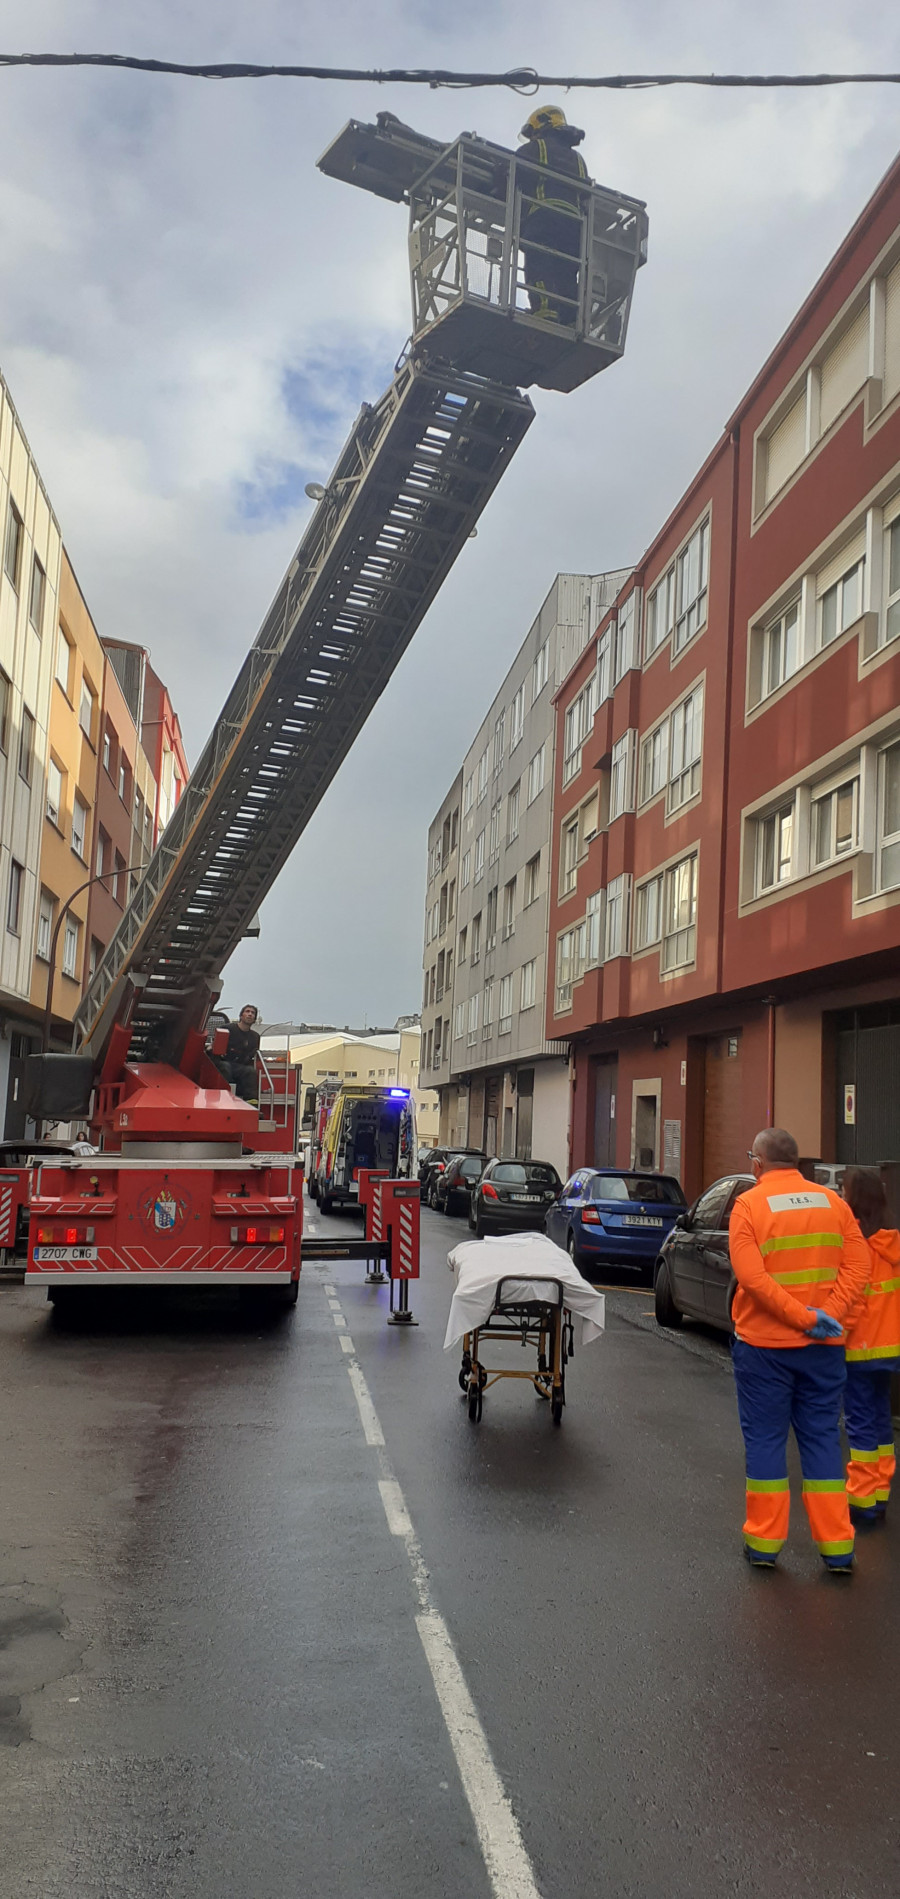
[190,315]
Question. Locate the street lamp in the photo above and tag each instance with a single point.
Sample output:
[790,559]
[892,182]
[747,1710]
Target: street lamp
[116,871]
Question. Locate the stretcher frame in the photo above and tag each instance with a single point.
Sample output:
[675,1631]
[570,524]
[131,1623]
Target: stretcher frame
[546,1324]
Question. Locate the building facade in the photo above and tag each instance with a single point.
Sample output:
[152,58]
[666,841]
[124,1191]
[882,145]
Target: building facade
[503,1081]
[70,794]
[382,1059]
[29,589]
[123,819]
[725,940]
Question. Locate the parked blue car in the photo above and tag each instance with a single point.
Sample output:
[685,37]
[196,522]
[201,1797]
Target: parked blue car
[615,1217]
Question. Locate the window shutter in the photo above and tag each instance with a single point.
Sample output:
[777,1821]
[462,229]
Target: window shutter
[841,563]
[786,447]
[844,370]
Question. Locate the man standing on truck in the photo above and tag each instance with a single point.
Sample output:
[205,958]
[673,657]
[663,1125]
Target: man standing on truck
[238,1064]
[552,214]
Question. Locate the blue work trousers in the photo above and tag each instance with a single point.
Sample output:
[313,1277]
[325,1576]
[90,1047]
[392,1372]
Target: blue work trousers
[801,1388]
[870,1433]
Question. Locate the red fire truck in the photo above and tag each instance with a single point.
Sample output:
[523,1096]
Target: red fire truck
[191,1185]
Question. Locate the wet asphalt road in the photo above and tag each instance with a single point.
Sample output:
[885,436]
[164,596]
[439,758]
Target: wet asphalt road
[211,1681]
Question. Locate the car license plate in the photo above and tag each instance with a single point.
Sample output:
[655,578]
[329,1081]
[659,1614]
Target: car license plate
[44,1254]
[532,1199]
[641,1219]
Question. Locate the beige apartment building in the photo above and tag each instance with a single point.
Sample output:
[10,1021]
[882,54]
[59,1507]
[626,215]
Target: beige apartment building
[29,595]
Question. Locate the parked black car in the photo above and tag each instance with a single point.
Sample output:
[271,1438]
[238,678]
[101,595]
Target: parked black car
[693,1277]
[513,1197]
[432,1161]
[453,1188]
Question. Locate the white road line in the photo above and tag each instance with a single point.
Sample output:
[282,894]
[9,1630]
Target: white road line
[331,1290]
[503,1850]
[368,1414]
[346,1342]
[339,1320]
[335,1305]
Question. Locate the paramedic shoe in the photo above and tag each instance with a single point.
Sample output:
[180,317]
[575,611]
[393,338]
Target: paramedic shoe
[839,1565]
[757,1560]
[866,1518]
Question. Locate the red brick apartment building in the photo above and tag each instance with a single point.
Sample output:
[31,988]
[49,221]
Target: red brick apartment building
[725,882]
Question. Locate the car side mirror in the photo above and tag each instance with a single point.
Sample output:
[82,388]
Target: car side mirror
[684,1221]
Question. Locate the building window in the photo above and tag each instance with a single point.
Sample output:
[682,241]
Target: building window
[499,734]
[889,819]
[626,637]
[532,880]
[459,1021]
[506,990]
[569,877]
[45,925]
[86,710]
[517,718]
[123,780]
[509,909]
[648,913]
[593,930]
[494,836]
[775,848]
[617,918]
[680,915]
[654,762]
[26,747]
[472,1034]
[5,697]
[54,791]
[118,882]
[63,660]
[461,949]
[107,752]
[79,826]
[70,946]
[36,596]
[536,775]
[621,777]
[684,750]
[103,857]
[691,583]
[490,919]
[528,991]
[578,722]
[488,1018]
[565,969]
[476,939]
[483,766]
[841,603]
[781,649]
[14,897]
[12,551]
[95,953]
[468,794]
[834,822]
[479,856]
[540,671]
[892,580]
[660,613]
[512,813]
[466,869]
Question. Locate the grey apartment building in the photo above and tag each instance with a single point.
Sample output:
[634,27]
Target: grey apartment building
[502,1085]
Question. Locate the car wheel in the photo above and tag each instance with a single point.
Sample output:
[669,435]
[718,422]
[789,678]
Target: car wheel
[473,1228]
[574,1252]
[667,1312]
[479,1227]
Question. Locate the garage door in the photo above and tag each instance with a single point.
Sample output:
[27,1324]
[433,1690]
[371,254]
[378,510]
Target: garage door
[724,1140]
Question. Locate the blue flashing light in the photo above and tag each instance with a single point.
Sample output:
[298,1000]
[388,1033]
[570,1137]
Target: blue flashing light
[399,1094]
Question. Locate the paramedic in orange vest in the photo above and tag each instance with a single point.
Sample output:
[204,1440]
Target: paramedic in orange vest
[552,214]
[873,1352]
[801,1264]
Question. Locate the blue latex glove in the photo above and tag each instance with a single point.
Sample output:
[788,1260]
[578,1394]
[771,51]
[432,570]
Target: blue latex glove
[825,1327]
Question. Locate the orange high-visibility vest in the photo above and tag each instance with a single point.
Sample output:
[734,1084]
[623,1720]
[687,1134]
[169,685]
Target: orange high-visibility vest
[873,1329]
[793,1245]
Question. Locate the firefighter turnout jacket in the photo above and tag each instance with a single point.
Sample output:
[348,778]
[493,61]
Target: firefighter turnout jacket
[873,1327]
[553,152]
[793,1245]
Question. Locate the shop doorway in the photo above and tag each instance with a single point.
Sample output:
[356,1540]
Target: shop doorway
[867,1067]
[724,1141]
[605,1073]
[524,1112]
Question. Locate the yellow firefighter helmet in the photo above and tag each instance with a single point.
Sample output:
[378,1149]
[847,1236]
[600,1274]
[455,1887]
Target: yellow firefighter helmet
[546,118]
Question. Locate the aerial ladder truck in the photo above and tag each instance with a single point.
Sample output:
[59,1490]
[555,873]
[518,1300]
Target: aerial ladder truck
[192,1186]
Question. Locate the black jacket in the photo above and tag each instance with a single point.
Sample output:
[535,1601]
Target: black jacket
[243,1044]
[554,150]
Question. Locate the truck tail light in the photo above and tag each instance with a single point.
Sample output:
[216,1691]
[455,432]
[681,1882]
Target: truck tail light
[71,1235]
[45,1235]
[257,1235]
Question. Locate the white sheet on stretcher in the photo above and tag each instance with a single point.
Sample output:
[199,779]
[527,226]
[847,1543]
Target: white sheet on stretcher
[525,1261]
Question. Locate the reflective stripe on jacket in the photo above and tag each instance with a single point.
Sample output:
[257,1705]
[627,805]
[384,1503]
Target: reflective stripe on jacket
[873,1329]
[551,193]
[793,1245]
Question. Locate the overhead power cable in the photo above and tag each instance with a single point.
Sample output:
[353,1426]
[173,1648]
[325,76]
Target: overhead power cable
[519,79]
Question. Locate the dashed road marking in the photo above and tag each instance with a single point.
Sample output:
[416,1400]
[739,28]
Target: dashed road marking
[346,1342]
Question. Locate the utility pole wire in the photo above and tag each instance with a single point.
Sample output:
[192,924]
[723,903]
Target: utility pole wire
[519,79]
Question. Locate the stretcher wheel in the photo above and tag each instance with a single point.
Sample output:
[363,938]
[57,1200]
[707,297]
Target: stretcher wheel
[464,1371]
[475,1400]
[556,1407]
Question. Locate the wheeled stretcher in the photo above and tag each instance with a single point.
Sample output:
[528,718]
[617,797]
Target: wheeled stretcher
[519,1287]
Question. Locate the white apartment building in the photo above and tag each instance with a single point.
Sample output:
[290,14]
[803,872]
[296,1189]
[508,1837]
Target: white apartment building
[503,1085]
[29,589]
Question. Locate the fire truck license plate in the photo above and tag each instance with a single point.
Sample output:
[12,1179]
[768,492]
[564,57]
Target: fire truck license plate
[45,1254]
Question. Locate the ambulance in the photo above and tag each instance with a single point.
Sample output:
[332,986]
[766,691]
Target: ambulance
[367,1127]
